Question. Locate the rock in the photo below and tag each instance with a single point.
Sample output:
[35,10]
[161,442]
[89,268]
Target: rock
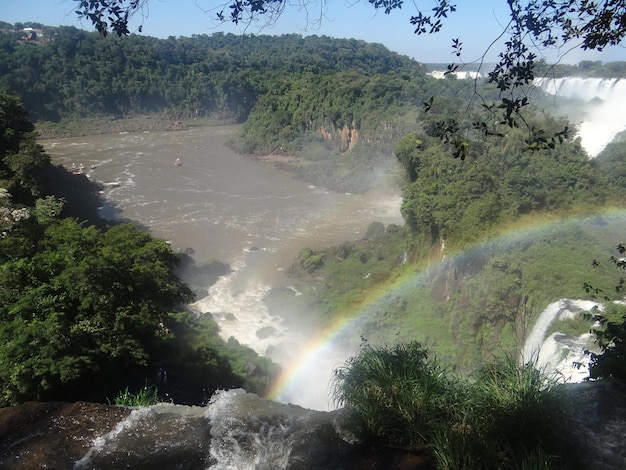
[598,413]
[52,435]
[266,332]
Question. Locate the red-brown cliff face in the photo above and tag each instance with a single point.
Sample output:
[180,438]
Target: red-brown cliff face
[345,137]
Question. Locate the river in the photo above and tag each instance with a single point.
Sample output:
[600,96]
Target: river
[238,210]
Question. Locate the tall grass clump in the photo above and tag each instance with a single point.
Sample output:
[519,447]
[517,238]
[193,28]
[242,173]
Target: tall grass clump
[146,396]
[394,395]
[505,416]
[518,413]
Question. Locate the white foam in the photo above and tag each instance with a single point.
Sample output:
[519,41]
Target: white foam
[560,353]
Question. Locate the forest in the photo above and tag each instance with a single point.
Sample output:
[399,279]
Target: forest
[75,74]
[82,298]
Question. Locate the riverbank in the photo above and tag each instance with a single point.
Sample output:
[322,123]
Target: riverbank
[335,172]
[277,158]
[111,125]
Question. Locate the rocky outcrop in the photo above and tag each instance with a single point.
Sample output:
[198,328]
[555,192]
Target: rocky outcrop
[345,137]
[92,436]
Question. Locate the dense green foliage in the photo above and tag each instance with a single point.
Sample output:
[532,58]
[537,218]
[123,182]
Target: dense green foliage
[613,164]
[78,74]
[22,160]
[86,312]
[585,68]
[448,199]
[505,416]
[80,305]
[475,304]
[609,324]
[349,102]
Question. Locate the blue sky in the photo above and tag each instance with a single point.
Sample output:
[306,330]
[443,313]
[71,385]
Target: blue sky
[476,23]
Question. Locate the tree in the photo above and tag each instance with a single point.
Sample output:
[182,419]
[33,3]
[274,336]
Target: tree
[533,24]
[83,307]
[22,160]
[611,335]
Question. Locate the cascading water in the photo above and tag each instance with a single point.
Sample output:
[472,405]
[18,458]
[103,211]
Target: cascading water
[236,303]
[563,354]
[236,431]
[601,112]
[254,326]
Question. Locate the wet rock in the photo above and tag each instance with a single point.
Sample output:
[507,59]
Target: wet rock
[265,332]
[598,413]
[52,435]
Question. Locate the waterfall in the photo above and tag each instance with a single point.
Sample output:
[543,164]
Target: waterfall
[601,113]
[236,431]
[563,354]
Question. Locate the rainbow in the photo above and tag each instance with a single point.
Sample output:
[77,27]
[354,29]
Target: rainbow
[523,229]
[306,358]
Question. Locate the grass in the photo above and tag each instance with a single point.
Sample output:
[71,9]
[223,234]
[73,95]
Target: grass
[505,416]
[394,394]
[146,396]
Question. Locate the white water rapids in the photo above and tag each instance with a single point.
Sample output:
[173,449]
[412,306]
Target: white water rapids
[235,431]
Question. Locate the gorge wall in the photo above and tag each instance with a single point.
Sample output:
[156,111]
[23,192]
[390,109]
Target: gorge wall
[345,137]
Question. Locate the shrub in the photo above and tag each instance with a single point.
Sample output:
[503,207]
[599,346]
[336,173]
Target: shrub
[518,414]
[506,416]
[610,336]
[310,260]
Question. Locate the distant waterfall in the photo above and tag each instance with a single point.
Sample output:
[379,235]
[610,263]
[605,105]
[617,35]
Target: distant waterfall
[601,114]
